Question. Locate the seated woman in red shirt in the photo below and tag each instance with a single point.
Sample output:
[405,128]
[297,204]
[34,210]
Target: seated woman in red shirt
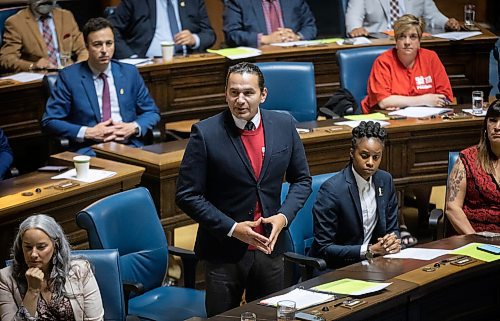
[407,75]
[473,195]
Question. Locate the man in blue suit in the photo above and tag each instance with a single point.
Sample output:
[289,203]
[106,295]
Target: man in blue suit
[254,23]
[230,183]
[355,214]
[5,154]
[100,100]
[141,25]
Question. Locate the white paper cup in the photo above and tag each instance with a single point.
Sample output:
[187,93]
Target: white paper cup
[82,166]
[167,50]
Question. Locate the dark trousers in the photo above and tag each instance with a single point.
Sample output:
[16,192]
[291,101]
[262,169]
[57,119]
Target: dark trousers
[257,273]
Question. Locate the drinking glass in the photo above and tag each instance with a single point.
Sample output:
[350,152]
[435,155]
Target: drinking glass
[477,102]
[469,15]
[248,316]
[285,310]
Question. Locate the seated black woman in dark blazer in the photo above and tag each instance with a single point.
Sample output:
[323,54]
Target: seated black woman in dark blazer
[355,214]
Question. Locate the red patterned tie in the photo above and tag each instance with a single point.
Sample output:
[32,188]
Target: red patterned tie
[47,37]
[106,102]
[274,20]
[394,4]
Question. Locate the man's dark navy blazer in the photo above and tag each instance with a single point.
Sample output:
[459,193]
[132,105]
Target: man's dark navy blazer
[135,24]
[244,20]
[74,103]
[338,220]
[217,186]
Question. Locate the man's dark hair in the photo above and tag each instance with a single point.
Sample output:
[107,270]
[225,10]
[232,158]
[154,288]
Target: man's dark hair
[95,24]
[367,130]
[246,68]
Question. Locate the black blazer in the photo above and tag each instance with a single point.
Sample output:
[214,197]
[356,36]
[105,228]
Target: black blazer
[217,187]
[338,220]
[135,23]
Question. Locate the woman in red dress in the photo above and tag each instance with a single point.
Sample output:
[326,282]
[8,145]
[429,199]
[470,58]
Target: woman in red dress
[473,194]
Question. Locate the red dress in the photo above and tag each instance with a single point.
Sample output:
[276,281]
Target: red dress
[482,196]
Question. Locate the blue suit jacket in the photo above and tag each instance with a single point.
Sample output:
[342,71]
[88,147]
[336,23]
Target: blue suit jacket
[217,187]
[244,20]
[135,24]
[338,220]
[6,157]
[73,103]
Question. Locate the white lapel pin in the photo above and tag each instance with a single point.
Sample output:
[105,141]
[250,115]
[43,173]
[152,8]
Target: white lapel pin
[183,4]
[121,91]
[380,192]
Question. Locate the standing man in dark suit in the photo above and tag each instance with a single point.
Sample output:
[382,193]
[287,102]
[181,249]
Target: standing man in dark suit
[230,183]
[141,26]
[100,100]
[254,23]
[356,211]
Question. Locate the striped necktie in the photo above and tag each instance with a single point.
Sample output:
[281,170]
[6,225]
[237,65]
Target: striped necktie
[48,39]
[394,12]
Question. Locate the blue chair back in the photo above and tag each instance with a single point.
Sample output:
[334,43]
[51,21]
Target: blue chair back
[301,230]
[291,87]
[128,221]
[106,268]
[355,66]
[4,15]
[452,159]
[448,229]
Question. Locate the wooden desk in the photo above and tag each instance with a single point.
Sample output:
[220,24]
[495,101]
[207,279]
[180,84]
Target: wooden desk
[416,153]
[61,204]
[193,87]
[471,292]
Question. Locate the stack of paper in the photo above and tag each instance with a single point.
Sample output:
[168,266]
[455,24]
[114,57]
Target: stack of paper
[355,123]
[303,298]
[237,53]
[457,35]
[417,254]
[24,76]
[472,251]
[351,287]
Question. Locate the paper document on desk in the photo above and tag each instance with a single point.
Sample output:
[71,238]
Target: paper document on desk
[470,111]
[418,112]
[137,61]
[472,251]
[354,41]
[355,123]
[457,35]
[94,175]
[24,76]
[303,298]
[351,287]
[237,53]
[302,43]
[418,254]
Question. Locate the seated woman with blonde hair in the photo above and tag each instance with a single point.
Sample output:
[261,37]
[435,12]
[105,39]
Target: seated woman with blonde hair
[473,193]
[44,283]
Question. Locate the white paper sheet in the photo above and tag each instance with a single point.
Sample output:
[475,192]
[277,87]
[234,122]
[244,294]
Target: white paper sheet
[355,123]
[469,111]
[25,76]
[418,254]
[137,61]
[303,298]
[416,112]
[302,43]
[94,175]
[356,41]
[457,35]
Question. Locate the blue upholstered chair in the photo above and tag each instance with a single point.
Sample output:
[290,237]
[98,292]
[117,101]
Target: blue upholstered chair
[301,237]
[4,15]
[106,268]
[291,87]
[438,214]
[355,66]
[128,221]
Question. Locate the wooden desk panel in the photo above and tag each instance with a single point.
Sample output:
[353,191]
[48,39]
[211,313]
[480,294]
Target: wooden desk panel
[61,204]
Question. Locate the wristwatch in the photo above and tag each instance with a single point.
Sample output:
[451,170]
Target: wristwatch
[369,253]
